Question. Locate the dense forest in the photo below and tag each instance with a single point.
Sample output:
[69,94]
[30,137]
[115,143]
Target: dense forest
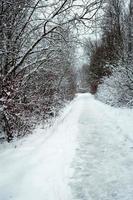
[110,68]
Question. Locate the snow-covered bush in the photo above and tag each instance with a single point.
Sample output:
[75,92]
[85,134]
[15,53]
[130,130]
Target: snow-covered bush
[117,90]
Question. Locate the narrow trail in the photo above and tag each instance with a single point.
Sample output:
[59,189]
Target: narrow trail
[86,155]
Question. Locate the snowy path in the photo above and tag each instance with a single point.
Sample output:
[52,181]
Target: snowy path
[86,155]
[104,160]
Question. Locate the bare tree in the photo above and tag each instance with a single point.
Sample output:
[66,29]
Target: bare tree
[35,38]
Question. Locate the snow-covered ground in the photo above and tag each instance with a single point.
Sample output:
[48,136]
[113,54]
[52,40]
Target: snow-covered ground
[86,155]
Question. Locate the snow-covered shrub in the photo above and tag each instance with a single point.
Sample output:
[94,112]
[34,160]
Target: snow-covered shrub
[117,90]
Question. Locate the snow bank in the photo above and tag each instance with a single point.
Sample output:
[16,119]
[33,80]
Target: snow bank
[38,167]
